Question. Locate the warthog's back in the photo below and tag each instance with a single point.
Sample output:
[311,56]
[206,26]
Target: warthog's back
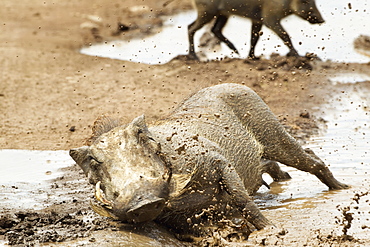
[228,115]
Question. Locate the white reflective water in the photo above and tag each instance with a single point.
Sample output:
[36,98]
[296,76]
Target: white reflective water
[31,166]
[349,78]
[332,40]
[346,142]
[25,176]
[155,49]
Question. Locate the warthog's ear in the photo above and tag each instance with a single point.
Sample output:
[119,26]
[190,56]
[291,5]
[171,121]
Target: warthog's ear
[102,125]
[139,122]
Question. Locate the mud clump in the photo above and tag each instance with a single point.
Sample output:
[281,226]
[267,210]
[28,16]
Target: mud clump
[346,222]
[284,62]
[31,228]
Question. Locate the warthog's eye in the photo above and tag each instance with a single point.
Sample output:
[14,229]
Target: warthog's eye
[94,161]
[156,145]
[144,136]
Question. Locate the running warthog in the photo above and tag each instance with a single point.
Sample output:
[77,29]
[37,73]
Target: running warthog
[207,157]
[267,12]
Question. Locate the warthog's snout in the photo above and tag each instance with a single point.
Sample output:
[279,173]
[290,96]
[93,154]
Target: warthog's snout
[145,210]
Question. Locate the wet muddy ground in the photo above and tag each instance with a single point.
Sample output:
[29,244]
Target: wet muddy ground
[50,95]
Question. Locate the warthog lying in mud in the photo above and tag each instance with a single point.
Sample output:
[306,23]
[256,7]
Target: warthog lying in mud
[202,162]
[267,12]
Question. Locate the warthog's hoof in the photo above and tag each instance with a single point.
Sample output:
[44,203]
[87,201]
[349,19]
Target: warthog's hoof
[185,58]
[339,186]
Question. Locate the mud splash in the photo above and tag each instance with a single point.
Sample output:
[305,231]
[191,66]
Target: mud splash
[332,40]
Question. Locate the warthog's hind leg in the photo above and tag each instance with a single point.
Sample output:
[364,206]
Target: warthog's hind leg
[277,144]
[273,169]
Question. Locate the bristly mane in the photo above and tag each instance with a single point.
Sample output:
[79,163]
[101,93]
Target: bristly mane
[102,125]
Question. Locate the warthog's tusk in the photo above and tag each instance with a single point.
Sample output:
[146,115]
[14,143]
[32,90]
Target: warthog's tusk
[102,210]
[100,196]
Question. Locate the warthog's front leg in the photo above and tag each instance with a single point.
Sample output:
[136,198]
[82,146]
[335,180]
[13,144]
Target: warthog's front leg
[274,25]
[240,198]
[217,31]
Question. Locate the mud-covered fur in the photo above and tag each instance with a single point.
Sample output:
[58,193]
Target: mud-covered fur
[198,167]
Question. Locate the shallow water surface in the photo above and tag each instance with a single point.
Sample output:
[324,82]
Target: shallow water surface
[349,78]
[31,166]
[332,40]
[26,174]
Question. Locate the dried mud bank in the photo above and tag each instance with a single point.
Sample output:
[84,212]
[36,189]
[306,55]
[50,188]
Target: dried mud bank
[50,95]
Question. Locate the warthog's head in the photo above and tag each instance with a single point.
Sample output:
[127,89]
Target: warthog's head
[130,173]
[307,10]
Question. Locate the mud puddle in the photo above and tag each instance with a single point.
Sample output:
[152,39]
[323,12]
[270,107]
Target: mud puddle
[332,40]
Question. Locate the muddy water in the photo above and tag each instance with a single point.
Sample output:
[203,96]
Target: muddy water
[332,40]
